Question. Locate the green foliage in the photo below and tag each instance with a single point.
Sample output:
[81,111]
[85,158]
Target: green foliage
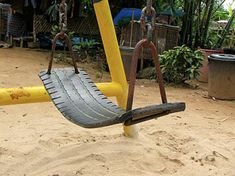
[213,36]
[88,6]
[220,14]
[85,49]
[53,11]
[180,64]
[161,5]
[55,29]
[71,34]
[198,19]
[85,45]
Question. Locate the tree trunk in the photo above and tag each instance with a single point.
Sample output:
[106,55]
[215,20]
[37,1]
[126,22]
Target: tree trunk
[191,17]
[208,20]
[198,27]
[183,39]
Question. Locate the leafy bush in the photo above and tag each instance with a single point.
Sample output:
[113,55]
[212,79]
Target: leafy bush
[53,11]
[180,64]
[85,49]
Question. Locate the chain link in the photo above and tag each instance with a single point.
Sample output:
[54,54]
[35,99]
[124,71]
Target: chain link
[148,19]
[63,16]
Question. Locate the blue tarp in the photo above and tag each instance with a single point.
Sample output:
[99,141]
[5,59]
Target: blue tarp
[127,12]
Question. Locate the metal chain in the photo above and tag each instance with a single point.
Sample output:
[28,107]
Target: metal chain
[63,16]
[148,12]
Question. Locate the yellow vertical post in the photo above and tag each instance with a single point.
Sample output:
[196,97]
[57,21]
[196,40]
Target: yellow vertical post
[111,48]
[113,55]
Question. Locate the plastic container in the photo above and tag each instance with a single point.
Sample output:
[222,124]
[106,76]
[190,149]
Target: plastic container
[222,76]
[127,53]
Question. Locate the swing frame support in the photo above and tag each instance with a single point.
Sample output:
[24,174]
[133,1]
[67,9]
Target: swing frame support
[118,87]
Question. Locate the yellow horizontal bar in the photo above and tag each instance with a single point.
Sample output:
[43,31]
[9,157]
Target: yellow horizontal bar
[110,89]
[24,95]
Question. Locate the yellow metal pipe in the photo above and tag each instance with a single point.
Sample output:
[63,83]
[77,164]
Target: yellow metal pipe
[111,47]
[24,95]
[110,89]
[113,55]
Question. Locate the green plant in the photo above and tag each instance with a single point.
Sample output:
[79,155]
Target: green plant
[227,30]
[85,49]
[220,14]
[53,11]
[55,29]
[180,64]
[86,7]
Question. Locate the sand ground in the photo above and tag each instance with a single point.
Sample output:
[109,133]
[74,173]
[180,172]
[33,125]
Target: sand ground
[35,140]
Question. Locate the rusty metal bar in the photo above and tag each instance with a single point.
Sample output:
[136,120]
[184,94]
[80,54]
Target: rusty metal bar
[136,54]
[63,36]
[68,42]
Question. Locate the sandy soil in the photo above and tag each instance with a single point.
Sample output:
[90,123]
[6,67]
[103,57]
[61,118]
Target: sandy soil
[36,140]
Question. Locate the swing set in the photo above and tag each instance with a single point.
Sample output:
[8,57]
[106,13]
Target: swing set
[85,103]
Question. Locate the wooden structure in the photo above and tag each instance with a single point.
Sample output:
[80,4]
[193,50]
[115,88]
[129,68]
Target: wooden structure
[21,28]
[4,13]
[85,26]
[165,37]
